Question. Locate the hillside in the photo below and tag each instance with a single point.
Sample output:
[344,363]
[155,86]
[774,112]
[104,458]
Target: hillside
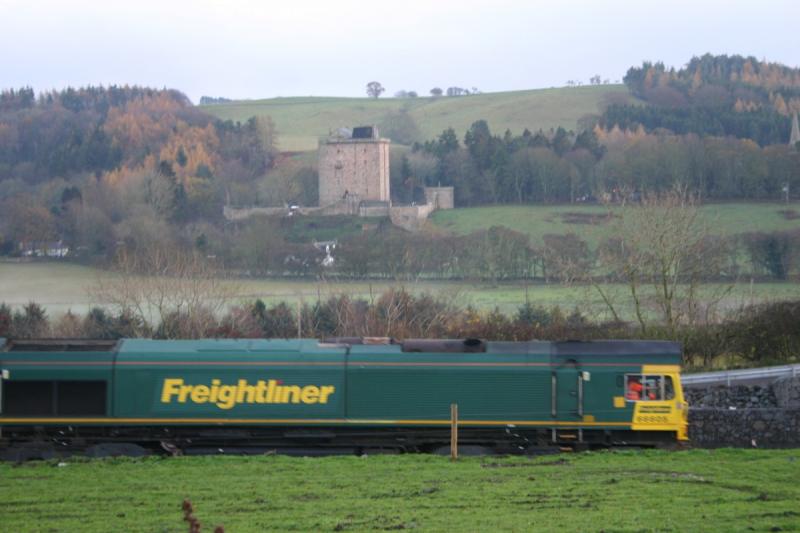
[539,220]
[301,121]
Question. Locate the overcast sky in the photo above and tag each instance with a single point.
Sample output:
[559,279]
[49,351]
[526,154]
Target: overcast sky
[262,49]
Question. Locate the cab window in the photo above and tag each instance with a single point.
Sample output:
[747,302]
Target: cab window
[653,388]
[648,387]
[669,388]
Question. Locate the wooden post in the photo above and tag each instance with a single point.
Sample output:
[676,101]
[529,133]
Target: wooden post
[453,431]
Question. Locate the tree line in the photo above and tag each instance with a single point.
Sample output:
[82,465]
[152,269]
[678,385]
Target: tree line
[264,247]
[719,126]
[758,334]
[561,166]
[720,96]
[98,166]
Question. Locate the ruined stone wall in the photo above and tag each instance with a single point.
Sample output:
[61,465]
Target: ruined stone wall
[241,213]
[440,197]
[410,217]
[354,167]
[373,210]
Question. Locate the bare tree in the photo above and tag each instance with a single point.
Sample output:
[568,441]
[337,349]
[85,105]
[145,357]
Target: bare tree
[662,250]
[160,285]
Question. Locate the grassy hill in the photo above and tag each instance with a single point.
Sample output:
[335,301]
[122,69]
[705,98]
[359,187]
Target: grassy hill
[539,220]
[301,121]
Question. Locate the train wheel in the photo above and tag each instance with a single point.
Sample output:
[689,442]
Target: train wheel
[466,450]
[116,449]
[28,452]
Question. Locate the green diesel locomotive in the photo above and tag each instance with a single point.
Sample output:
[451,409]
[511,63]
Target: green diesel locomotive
[336,395]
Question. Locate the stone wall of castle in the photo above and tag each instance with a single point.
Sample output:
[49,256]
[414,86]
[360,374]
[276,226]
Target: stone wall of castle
[410,217]
[440,197]
[357,167]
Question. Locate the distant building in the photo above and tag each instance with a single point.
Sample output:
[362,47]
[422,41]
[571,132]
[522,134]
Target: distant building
[354,180]
[794,138]
[354,166]
[44,249]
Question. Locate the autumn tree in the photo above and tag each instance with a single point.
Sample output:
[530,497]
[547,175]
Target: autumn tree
[29,224]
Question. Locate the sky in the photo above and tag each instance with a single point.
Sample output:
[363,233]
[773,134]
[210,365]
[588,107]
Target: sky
[262,49]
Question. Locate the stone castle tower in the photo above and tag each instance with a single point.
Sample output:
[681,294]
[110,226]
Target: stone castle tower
[354,167]
[795,137]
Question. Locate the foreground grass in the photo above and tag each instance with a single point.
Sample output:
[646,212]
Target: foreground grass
[301,121]
[722,490]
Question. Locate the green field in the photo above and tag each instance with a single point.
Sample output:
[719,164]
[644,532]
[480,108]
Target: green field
[60,287]
[539,220]
[722,490]
[301,121]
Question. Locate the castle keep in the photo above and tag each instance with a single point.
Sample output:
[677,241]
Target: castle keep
[354,167]
[354,180]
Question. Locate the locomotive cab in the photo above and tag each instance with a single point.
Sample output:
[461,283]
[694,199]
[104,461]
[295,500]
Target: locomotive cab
[657,399]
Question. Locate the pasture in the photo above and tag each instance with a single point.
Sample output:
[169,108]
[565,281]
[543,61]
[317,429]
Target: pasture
[301,121]
[588,221]
[62,287]
[699,490]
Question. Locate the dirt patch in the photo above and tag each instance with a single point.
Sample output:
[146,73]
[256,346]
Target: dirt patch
[593,219]
[380,522]
[557,462]
[789,214]
[554,501]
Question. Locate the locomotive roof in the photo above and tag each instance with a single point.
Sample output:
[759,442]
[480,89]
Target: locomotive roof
[665,351]
[565,348]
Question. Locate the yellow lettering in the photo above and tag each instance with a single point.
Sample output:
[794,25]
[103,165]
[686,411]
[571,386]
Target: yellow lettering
[215,383]
[326,391]
[310,394]
[271,386]
[171,387]
[290,390]
[185,391]
[245,389]
[261,392]
[227,396]
[199,394]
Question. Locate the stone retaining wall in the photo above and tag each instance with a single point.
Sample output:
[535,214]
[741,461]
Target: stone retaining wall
[740,397]
[744,428]
[742,416]
[787,392]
